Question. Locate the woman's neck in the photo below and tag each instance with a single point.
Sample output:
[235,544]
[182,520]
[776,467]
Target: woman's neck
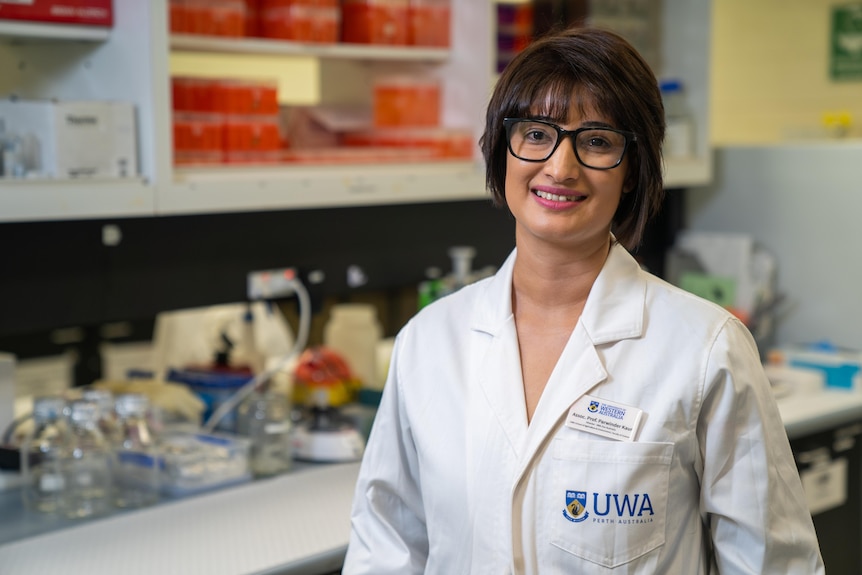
[554,278]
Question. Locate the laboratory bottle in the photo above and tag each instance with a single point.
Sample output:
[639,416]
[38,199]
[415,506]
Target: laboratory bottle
[679,129]
[353,332]
[264,417]
[107,416]
[88,467]
[136,458]
[44,452]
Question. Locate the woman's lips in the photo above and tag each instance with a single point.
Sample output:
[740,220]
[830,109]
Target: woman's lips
[556,196]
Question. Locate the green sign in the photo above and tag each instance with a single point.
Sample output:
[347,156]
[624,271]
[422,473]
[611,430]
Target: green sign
[846,39]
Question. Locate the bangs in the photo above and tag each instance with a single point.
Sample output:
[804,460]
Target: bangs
[556,99]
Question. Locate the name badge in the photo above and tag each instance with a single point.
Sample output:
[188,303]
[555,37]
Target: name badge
[605,418]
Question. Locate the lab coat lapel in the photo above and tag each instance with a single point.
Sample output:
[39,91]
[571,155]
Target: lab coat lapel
[578,370]
[614,310]
[500,366]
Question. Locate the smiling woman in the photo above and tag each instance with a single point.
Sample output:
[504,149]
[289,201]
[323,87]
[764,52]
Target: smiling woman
[539,421]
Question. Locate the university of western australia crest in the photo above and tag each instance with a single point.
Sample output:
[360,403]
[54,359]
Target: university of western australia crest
[576,509]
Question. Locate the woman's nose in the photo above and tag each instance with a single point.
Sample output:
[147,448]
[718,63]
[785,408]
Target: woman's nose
[563,163]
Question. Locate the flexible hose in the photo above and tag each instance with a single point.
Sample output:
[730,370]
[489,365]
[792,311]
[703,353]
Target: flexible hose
[299,345]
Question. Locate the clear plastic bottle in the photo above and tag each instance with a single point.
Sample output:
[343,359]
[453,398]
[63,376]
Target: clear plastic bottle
[44,452]
[264,417]
[88,469]
[353,331]
[136,458]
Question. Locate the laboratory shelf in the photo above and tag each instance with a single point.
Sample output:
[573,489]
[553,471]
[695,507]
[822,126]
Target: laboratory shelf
[289,187]
[44,199]
[342,51]
[16,30]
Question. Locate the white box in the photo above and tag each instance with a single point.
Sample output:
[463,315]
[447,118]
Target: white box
[74,139]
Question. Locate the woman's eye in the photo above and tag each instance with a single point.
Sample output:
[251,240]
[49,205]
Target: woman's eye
[537,136]
[596,142]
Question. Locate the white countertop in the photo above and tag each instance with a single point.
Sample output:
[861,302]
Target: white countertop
[297,523]
[804,413]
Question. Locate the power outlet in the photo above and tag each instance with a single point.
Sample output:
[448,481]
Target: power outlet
[270,284]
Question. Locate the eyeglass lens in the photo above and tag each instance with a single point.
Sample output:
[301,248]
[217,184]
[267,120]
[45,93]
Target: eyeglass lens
[594,147]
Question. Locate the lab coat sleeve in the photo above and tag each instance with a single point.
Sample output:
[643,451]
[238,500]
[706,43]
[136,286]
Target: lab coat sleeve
[752,500]
[388,534]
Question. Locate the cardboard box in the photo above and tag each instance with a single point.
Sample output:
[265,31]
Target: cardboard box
[85,139]
[85,12]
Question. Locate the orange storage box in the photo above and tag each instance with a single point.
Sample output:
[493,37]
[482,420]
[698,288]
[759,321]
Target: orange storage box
[301,20]
[244,97]
[429,23]
[208,17]
[406,101]
[197,139]
[375,21]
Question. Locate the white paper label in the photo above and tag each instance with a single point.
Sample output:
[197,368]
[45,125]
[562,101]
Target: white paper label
[605,418]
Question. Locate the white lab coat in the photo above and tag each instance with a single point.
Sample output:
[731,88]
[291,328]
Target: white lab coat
[454,481]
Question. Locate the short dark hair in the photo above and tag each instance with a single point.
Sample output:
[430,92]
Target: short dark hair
[609,75]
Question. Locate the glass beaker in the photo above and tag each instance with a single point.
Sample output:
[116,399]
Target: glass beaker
[136,461]
[88,467]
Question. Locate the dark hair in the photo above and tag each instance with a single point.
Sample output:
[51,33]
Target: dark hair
[609,75]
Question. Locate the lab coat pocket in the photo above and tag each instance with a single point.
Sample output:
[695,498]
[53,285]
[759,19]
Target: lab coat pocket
[609,499]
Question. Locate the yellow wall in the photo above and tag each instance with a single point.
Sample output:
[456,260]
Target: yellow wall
[297,77]
[769,72]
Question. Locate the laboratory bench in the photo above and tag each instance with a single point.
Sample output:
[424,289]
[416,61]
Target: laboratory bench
[298,523]
[294,524]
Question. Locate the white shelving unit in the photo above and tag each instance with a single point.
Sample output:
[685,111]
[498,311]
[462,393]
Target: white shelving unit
[131,62]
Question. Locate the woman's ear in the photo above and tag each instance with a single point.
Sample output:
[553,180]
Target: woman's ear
[629,184]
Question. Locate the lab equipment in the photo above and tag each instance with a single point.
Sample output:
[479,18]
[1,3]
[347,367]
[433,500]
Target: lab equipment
[324,385]
[44,453]
[136,468]
[88,478]
[327,436]
[264,418]
[192,463]
[215,388]
[354,332]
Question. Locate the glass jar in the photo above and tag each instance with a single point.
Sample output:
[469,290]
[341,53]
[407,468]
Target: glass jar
[44,452]
[264,417]
[88,468]
[136,461]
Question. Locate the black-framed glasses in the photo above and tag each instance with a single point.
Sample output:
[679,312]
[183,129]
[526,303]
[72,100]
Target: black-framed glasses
[534,140]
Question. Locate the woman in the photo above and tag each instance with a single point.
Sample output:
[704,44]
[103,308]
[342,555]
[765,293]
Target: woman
[574,414]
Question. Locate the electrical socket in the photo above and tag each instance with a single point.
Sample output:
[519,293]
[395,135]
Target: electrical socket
[270,284]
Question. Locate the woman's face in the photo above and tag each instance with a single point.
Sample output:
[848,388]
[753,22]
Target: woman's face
[560,201]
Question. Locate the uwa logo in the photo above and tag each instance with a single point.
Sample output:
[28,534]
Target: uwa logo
[613,505]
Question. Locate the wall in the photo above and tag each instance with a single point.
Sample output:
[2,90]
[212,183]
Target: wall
[769,71]
[799,197]
[803,203]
